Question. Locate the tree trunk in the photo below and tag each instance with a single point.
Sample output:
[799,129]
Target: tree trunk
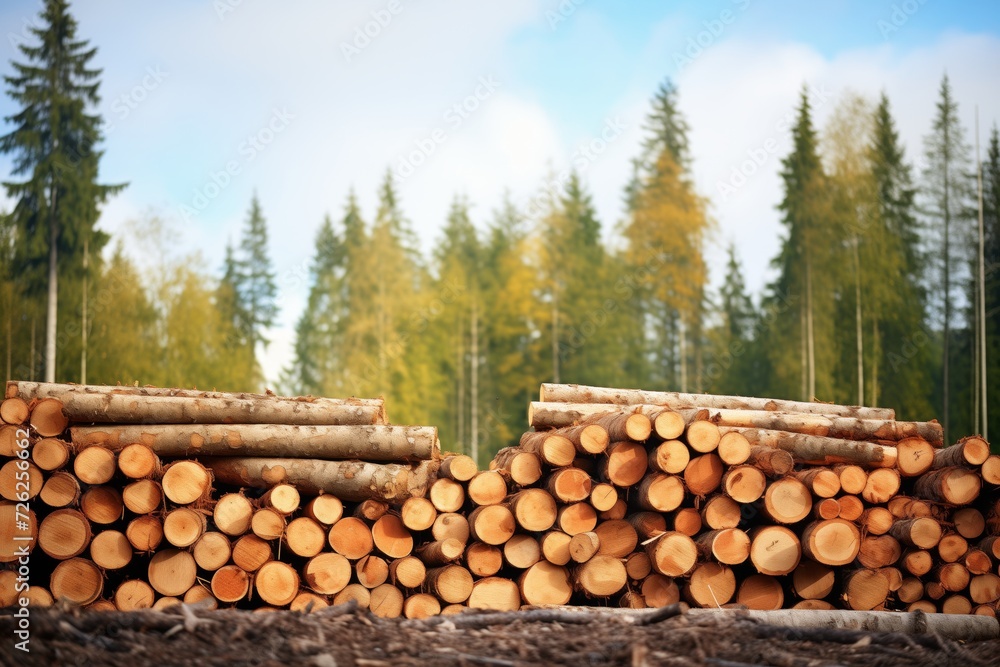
[523,468]
[51,305]
[819,450]
[370,443]
[348,480]
[571,393]
[150,405]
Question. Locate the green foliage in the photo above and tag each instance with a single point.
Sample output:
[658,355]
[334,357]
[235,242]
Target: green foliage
[54,143]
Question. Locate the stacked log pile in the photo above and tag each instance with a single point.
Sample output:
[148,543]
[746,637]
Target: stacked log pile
[144,497]
[131,497]
[774,504]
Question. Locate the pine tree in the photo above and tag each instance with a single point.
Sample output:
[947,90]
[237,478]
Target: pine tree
[805,331]
[947,191]
[255,286]
[54,142]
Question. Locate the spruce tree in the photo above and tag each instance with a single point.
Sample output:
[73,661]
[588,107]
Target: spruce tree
[664,259]
[947,191]
[991,224]
[899,376]
[256,289]
[54,142]
[803,335]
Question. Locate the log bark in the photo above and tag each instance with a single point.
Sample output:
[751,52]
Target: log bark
[458,467]
[954,485]
[625,464]
[149,405]
[451,583]
[523,468]
[660,492]
[552,448]
[367,442]
[407,572]
[571,393]
[820,450]
[971,451]
[348,480]
[729,546]
[923,533]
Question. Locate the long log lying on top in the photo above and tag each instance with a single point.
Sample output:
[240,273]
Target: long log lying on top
[348,480]
[370,443]
[556,415]
[846,428]
[85,403]
[575,393]
[819,450]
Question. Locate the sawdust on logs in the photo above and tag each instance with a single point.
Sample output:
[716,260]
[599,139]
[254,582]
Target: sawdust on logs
[343,636]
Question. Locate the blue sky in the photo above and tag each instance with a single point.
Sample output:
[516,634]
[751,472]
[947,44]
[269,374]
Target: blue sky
[208,101]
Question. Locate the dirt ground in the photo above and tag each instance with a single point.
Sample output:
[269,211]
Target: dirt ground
[347,637]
